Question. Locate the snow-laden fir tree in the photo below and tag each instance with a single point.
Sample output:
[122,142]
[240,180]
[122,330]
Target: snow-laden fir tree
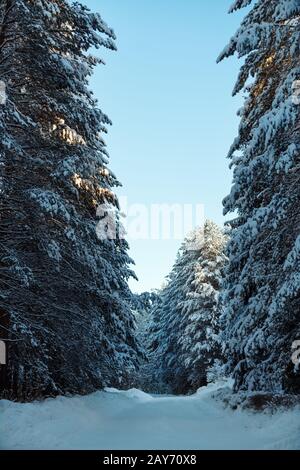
[166,328]
[186,321]
[143,306]
[262,298]
[200,347]
[64,300]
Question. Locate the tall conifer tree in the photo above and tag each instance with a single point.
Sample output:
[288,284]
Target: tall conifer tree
[64,299]
[262,297]
[186,320]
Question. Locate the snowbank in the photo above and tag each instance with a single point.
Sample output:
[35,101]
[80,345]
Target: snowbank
[114,419]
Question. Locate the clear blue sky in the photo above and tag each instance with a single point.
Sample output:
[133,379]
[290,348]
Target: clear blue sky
[173,115]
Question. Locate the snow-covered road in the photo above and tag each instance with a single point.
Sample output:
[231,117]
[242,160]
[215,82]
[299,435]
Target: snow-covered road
[135,420]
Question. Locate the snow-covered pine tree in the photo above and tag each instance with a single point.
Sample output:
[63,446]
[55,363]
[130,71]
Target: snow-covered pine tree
[201,309]
[143,306]
[166,328]
[262,297]
[185,320]
[64,302]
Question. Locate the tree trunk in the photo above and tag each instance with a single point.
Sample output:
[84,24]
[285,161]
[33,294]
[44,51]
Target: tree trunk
[4,323]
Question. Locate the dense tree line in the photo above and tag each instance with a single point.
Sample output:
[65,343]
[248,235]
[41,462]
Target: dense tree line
[67,315]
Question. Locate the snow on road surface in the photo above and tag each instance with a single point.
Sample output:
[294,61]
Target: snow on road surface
[134,420]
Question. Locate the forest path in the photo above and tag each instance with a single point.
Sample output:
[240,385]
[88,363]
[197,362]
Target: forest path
[132,419]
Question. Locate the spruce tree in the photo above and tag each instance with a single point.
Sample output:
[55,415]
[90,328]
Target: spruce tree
[143,306]
[201,308]
[262,291]
[186,321]
[64,302]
